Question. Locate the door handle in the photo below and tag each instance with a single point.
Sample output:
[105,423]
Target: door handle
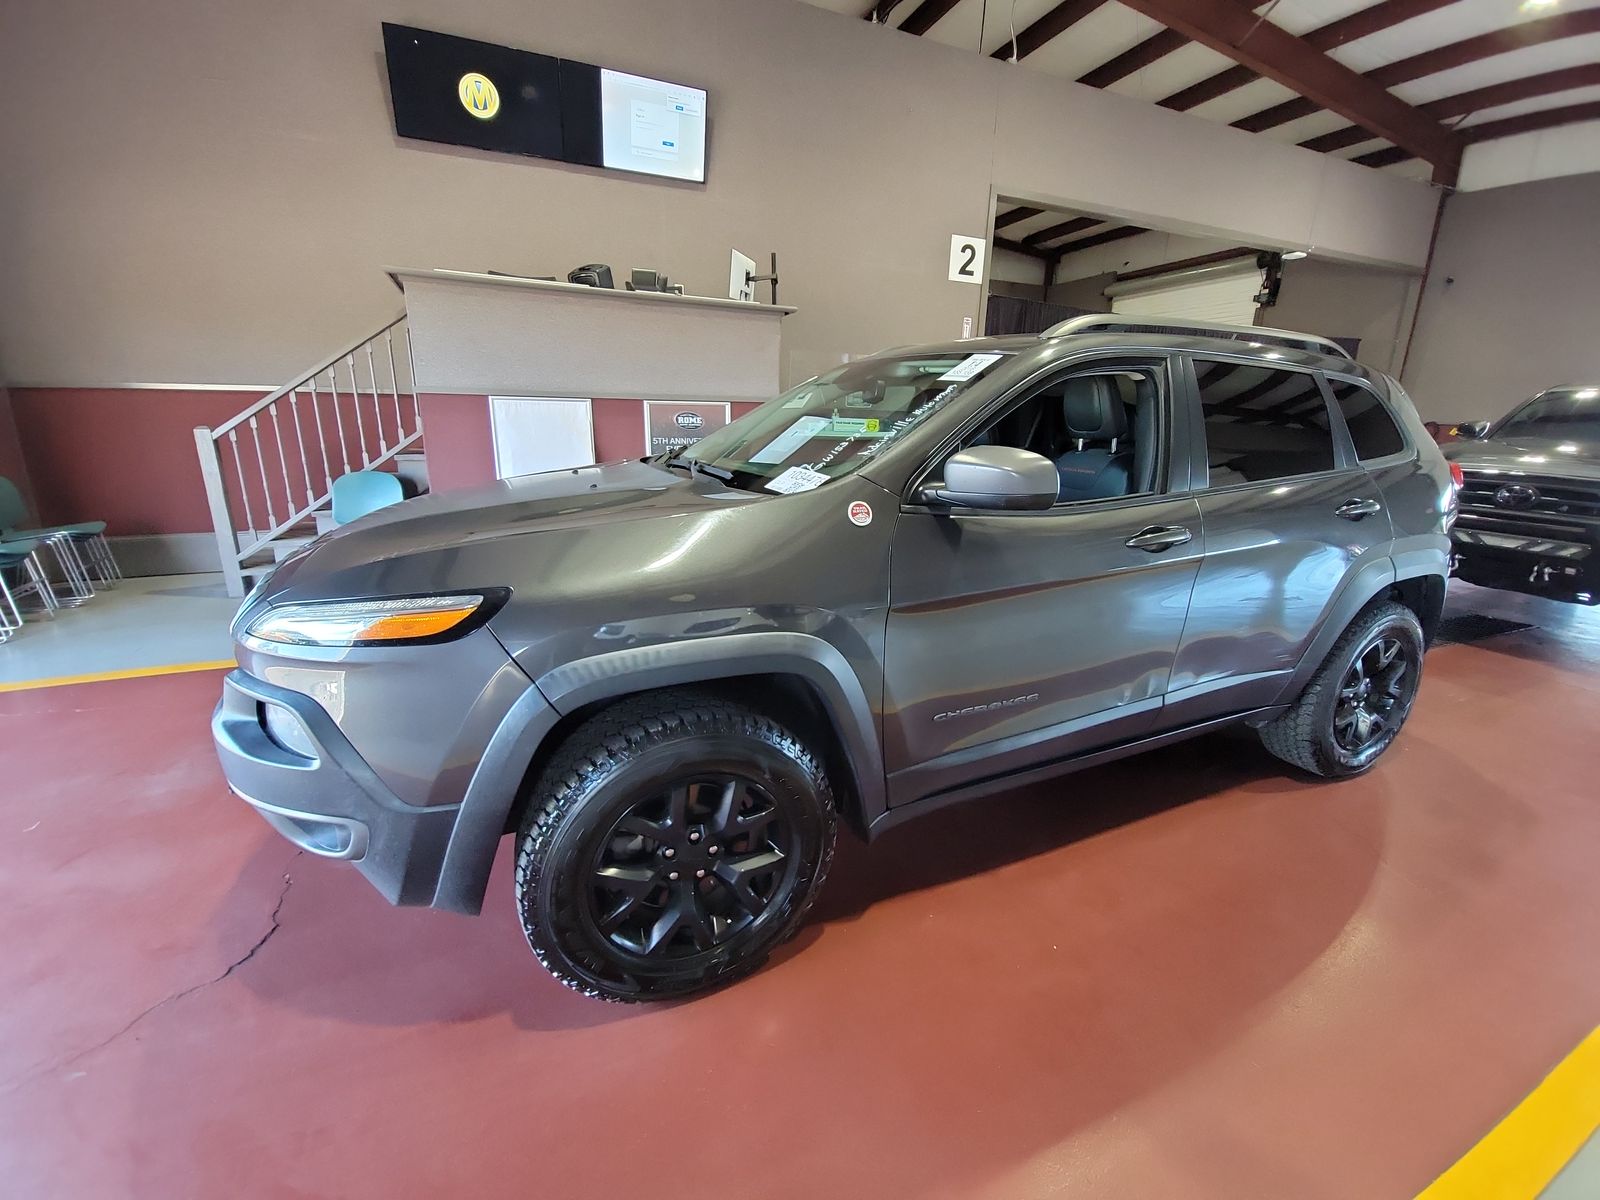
[1156,538]
[1354,510]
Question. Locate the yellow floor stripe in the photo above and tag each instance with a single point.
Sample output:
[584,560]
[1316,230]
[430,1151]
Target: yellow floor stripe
[25,685]
[1519,1157]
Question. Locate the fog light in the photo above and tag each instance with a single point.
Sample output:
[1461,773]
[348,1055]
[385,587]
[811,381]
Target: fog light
[284,728]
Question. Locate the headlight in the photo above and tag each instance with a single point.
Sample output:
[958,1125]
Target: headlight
[403,620]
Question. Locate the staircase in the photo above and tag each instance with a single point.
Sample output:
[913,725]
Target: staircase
[269,471]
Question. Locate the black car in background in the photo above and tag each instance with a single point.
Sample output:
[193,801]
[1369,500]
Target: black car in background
[1530,501]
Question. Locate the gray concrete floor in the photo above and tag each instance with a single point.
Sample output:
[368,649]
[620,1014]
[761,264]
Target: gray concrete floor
[162,620]
[1580,1178]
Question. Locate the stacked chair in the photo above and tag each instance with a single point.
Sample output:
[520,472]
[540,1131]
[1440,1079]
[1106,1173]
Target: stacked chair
[81,555]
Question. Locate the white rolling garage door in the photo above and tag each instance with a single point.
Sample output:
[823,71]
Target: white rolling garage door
[1225,294]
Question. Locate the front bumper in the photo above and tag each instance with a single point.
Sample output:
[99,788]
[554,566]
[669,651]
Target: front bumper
[321,794]
[1535,564]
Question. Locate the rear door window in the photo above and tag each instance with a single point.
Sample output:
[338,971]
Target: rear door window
[1372,429]
[1262,422]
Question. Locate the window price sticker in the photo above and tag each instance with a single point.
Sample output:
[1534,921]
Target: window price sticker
[972,365]
[796,479]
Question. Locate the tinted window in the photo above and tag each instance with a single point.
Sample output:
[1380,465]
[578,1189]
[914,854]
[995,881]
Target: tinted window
[1262,422]
[1101,429]
[837,423]
[1558,413]
[1371,427]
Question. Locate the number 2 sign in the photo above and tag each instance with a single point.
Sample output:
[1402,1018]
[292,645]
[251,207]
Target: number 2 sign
[966,259]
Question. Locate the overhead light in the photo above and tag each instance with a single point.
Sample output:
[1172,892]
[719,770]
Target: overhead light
[1538,5]
[1291,255]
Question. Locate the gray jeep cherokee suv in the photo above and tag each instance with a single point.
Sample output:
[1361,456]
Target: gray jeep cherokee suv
[926,576]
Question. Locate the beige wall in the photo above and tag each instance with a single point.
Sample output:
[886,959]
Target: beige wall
[1512,299]
[213,196]
[1342,300]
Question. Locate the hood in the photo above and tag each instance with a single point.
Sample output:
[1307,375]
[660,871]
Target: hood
[609,494]
[1528,456]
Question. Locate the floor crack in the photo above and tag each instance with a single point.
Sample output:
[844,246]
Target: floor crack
[272,929]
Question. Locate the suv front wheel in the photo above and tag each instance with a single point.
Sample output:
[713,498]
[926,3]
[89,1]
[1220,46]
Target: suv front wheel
[670,844]
[1354,705]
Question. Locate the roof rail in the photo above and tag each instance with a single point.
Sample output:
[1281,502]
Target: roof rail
[1122,323]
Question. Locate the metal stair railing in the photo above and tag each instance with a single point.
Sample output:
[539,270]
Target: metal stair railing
[274,464]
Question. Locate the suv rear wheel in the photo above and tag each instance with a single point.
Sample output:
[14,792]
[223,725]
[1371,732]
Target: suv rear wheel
[671,843]
[1355,704]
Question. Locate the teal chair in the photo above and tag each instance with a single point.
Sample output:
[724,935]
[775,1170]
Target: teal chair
[19,556]
[361,492]
[79,549]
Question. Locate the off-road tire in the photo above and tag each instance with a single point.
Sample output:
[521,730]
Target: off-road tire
[589,780]
[1303,735]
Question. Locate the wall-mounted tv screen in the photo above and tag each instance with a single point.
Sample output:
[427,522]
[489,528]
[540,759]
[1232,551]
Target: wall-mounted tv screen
[469,93]
[651,126]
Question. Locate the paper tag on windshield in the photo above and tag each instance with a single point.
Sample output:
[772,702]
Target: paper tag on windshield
[968,367]
[796,479]
[797,401]
[790,440]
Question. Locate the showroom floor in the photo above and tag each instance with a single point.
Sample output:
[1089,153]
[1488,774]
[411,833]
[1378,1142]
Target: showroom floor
[1191,974]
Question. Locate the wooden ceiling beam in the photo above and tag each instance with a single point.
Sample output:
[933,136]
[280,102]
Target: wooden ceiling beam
[1100,239]
[1065,229]
[1325,37]
[1268,50]
[1016,247]
[1545,118]
[1445,58]
[1501,41]
[1012,216]
[1386,157]
[923,18]
[1156,46]
[1477,100]
[1048,27]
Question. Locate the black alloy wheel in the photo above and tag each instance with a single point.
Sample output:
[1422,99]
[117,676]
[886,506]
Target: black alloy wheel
[691,867]
[1374,696]
[1360,695]
[670,843]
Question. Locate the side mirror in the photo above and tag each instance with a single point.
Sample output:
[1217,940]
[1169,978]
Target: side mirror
[997,477]
[1473,429]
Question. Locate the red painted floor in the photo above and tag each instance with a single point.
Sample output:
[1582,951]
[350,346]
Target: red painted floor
[1188,975]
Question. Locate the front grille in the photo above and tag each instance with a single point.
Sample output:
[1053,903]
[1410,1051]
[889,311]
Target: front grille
[1557,502]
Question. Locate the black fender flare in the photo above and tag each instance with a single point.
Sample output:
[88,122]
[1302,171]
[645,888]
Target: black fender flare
[1368,581]
[768,652]
[464,874]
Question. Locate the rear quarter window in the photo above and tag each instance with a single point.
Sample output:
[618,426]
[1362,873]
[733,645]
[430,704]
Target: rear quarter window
[1372,429]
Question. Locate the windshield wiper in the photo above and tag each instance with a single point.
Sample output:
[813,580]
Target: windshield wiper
[695,466]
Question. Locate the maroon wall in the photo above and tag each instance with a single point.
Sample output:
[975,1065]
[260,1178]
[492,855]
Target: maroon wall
[461,441]
[120,455]
[126,455]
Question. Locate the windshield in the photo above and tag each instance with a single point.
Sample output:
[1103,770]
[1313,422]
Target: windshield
[834,424]
[1568,413]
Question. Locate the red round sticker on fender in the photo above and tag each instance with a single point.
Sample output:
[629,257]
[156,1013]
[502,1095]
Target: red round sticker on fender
[860,513]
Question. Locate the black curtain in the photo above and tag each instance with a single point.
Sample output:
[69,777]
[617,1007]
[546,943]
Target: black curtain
[1012,314]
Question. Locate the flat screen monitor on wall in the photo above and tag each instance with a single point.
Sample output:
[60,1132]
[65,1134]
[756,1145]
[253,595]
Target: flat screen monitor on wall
[469,93]
[653,127]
